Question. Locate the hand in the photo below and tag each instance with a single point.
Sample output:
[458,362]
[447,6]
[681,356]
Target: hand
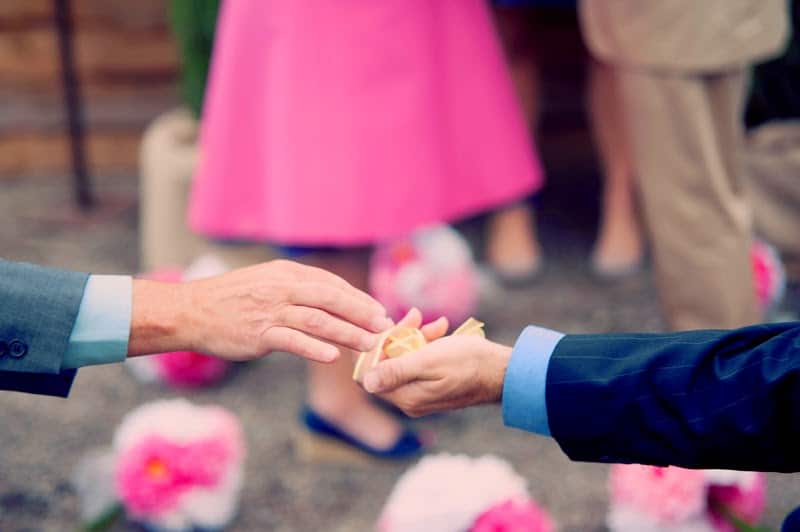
[449,373]
[251,312]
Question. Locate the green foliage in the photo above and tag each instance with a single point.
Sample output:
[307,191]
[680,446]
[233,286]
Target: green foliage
[105,521]
[193,23]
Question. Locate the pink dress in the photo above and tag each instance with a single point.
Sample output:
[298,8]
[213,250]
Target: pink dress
[347,122]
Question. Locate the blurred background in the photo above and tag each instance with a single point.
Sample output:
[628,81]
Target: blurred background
[127,68]
[100,105]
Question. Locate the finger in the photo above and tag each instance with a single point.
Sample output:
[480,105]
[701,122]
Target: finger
[324,276]
[298,343]
[394,373]
[413,319]
[336,301]
[328,328]
[412,411]
[406,400]
[435,329]
[418,401]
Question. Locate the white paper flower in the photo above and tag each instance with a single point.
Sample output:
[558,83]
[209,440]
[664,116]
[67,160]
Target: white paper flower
[447,493]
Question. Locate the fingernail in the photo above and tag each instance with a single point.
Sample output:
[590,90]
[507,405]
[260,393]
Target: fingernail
[368,341]
[371,383]
[329,355]
[381,323]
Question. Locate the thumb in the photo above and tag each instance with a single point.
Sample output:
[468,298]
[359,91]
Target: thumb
[435,329]
[389,375]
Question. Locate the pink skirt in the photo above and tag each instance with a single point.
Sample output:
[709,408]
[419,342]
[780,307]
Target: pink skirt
[347,122]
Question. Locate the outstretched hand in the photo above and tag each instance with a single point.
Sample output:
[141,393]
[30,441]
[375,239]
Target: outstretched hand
[251,312]
[449,373]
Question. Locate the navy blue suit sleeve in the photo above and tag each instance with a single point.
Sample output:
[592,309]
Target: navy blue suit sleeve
[697,399]
[38,383]
[38,308]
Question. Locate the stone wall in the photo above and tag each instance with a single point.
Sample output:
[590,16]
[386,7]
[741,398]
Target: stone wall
[128,68]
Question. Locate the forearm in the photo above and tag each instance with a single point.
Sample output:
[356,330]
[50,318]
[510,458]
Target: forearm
[160,317]
[701,399]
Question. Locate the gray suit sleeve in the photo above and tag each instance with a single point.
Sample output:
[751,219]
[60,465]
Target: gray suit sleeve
[38,308]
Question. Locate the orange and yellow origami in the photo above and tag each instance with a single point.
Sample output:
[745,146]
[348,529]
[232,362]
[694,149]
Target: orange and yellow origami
[402,340]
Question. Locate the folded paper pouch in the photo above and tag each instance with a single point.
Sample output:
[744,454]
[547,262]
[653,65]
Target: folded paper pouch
[402,340]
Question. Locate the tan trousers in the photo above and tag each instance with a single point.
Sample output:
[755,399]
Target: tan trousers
[687,142]
[774,166]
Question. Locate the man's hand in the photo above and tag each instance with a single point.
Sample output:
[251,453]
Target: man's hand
[251,312]
[449,373]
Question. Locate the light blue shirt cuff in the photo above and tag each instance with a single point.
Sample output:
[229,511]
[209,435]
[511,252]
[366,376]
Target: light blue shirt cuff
[525,385]
[102,328]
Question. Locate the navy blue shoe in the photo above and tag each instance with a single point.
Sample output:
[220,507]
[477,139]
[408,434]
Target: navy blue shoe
[325,441]
[792,522]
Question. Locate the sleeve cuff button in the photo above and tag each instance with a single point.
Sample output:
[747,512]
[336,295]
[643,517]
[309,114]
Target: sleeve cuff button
[17,349]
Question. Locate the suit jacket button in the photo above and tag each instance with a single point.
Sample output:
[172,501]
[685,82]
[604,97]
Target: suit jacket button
[17,349]
[3,348]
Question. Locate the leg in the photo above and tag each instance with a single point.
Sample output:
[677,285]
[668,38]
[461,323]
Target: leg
[618,249]
[512,244]
[331,390]
[686,139]
[513,27]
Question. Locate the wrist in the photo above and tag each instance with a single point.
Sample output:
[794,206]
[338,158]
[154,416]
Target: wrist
[500,357]
[158,317]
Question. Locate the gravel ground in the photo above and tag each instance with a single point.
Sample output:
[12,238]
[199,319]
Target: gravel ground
[42,438]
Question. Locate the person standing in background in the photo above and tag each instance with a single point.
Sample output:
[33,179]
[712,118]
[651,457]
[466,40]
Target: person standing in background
[332,126]
[681,67]
[619,247]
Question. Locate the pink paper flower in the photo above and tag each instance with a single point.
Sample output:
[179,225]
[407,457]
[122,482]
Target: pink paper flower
[514,515]
[769,275]
[187,369]
[156,472]
[746,500]
[169,274]
[179,465]
[665,494]
[680,500]
[432,270]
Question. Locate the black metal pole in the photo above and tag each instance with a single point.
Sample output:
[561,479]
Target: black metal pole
[73,104]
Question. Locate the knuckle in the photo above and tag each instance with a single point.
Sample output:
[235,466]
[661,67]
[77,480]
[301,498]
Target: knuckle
[327,295]
[438,387]
[391,375]
[415,411]
[405,406]
[410,407]
[277,315]
[314,321]
[286,268]
[317,271]
[265,340]
[328,299]
[282,263]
